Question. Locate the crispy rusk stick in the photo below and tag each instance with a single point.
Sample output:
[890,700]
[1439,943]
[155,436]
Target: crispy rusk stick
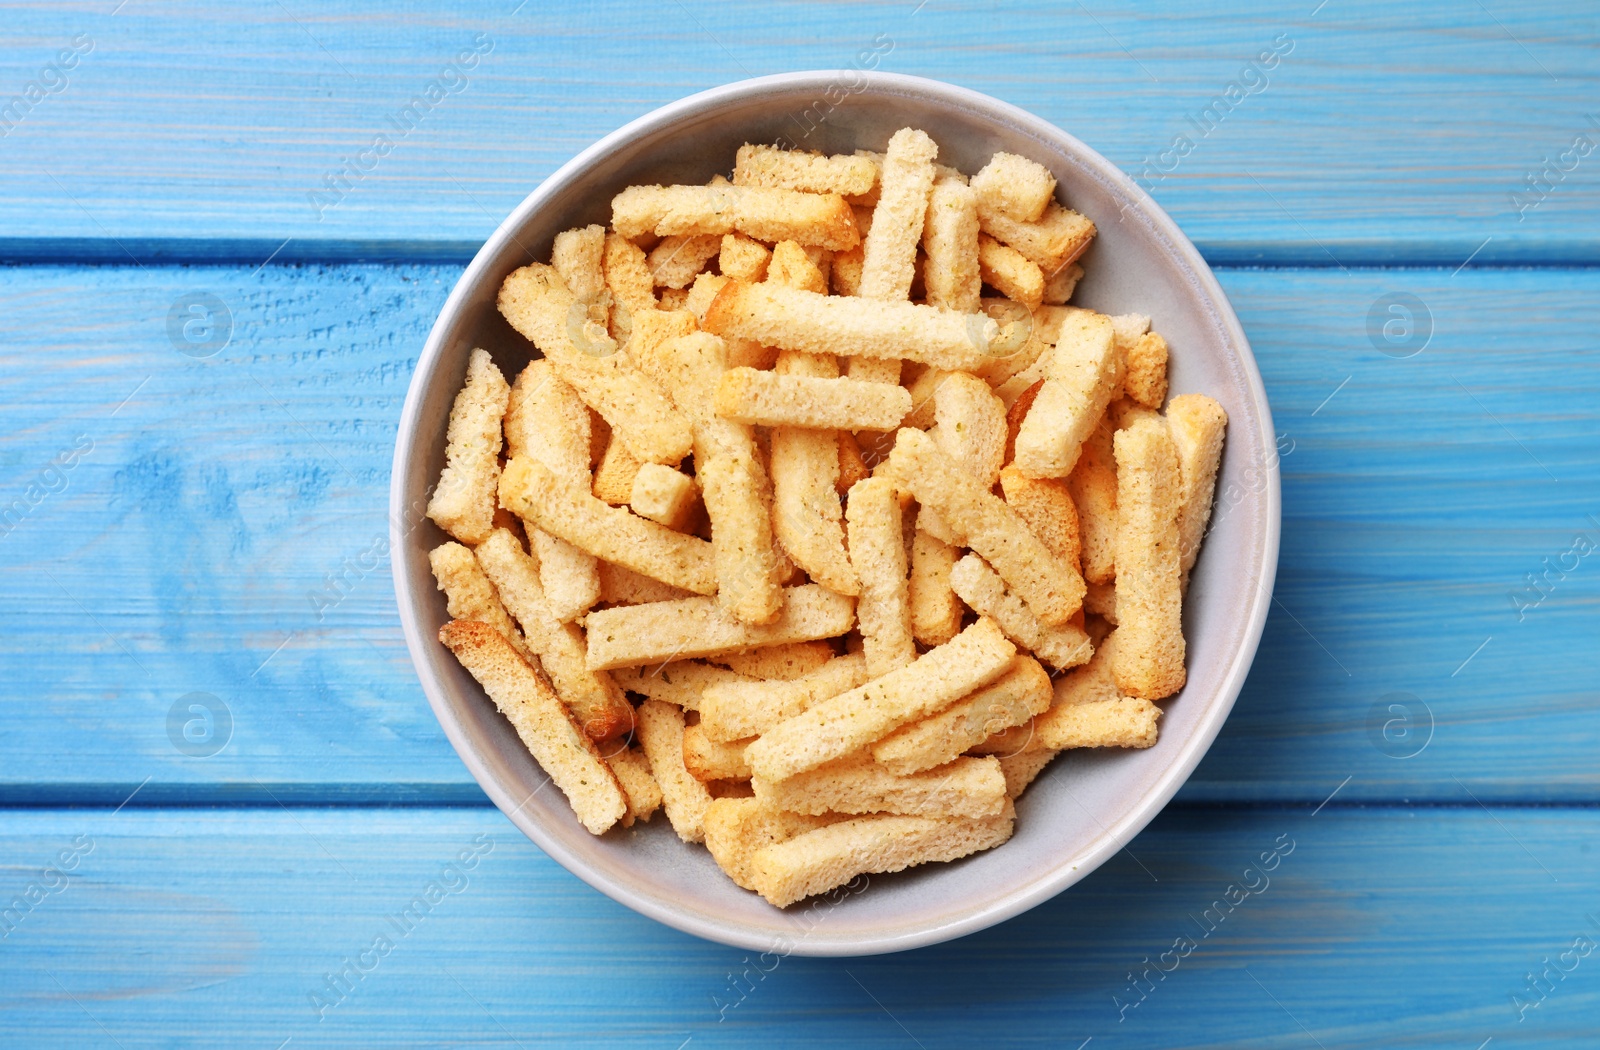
[1149,661]
[628,275]
[737,827]
[620,586]
[852,468]
[971,426]
[786,169]
[1082,685]
[1059,286]
[1083,372]
[1011,700]
[708,759]
[1016,414]
[781,663]
[468,594]
[1093,485]
[539,306]
[676,260]
[1052,588]
[965,787]
[743,258]
[547,729]
[1010,272]
[632,770]
[463,501]
[685,799]
[878,555]
[1197,423]
[734,483]
[579,257]
[682,683]
[935,609]
[737,710]
[532,492]
[807,516]
[746,395]
[1047,507]
[835,727]
[634,635]
[762,213]
[950,237]
[665,496]
[594,699]
[1126,721]
[546,420]
[619,467]
[792,267]
[1021,769]
[819,860]
[924,388]
[651,328]
[889,250]
[1146,381]
[1059,645]
[1036,333]
[1015,187]
[833,324]
[1056,240]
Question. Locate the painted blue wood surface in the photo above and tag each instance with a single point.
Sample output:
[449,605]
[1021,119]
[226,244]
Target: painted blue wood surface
[1370,928]
[1385,133]
[189,547]
[192,548]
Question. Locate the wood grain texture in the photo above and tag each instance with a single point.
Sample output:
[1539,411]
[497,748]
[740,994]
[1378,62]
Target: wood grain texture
[1359,928]
[1382,134]
[224,535]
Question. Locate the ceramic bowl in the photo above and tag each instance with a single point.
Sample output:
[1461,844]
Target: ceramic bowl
[1087,804]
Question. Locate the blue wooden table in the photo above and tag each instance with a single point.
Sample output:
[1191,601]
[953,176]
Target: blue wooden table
[204,356]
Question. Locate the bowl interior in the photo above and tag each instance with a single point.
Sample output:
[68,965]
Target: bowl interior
[1087,804]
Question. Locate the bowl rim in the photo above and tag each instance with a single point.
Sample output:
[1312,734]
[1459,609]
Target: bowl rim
[1051,882]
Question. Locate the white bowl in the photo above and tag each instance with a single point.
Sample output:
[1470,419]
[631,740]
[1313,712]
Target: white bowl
[1087,805]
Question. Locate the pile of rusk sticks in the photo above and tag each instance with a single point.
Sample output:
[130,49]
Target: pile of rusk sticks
[842,666]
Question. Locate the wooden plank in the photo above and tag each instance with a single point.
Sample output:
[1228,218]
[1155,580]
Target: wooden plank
[1368,132]
[191,550]
[1350,929]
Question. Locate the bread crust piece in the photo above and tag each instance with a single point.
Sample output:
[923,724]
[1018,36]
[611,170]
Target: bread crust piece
[708,759]
[1010,700]
[639,787]
[538,305]
[1090,683]
[1059,237]
[757,165]
[1015,187]
[665,496]
[682,682]
[676,261]
[781,663]
[660,732]
[635,635]
[620,586]
[463,502]
[848,326]
[1146,381]
[739,710]
[532,492]
[1150,653]
[746,395]
[594,699]
[1010,273]
[935,609]
[735,828]
[1093,485]
[963,787]
[1197,424]
[468,593]
[546,727]
[579,257]
[851,720]
[950,237]
[1052,588]
[878,555]
[1021,769]
[741,257]
[1059,286]
[1059,645]
[819,860]
[1084,370]
[760,212]
[1047,507]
